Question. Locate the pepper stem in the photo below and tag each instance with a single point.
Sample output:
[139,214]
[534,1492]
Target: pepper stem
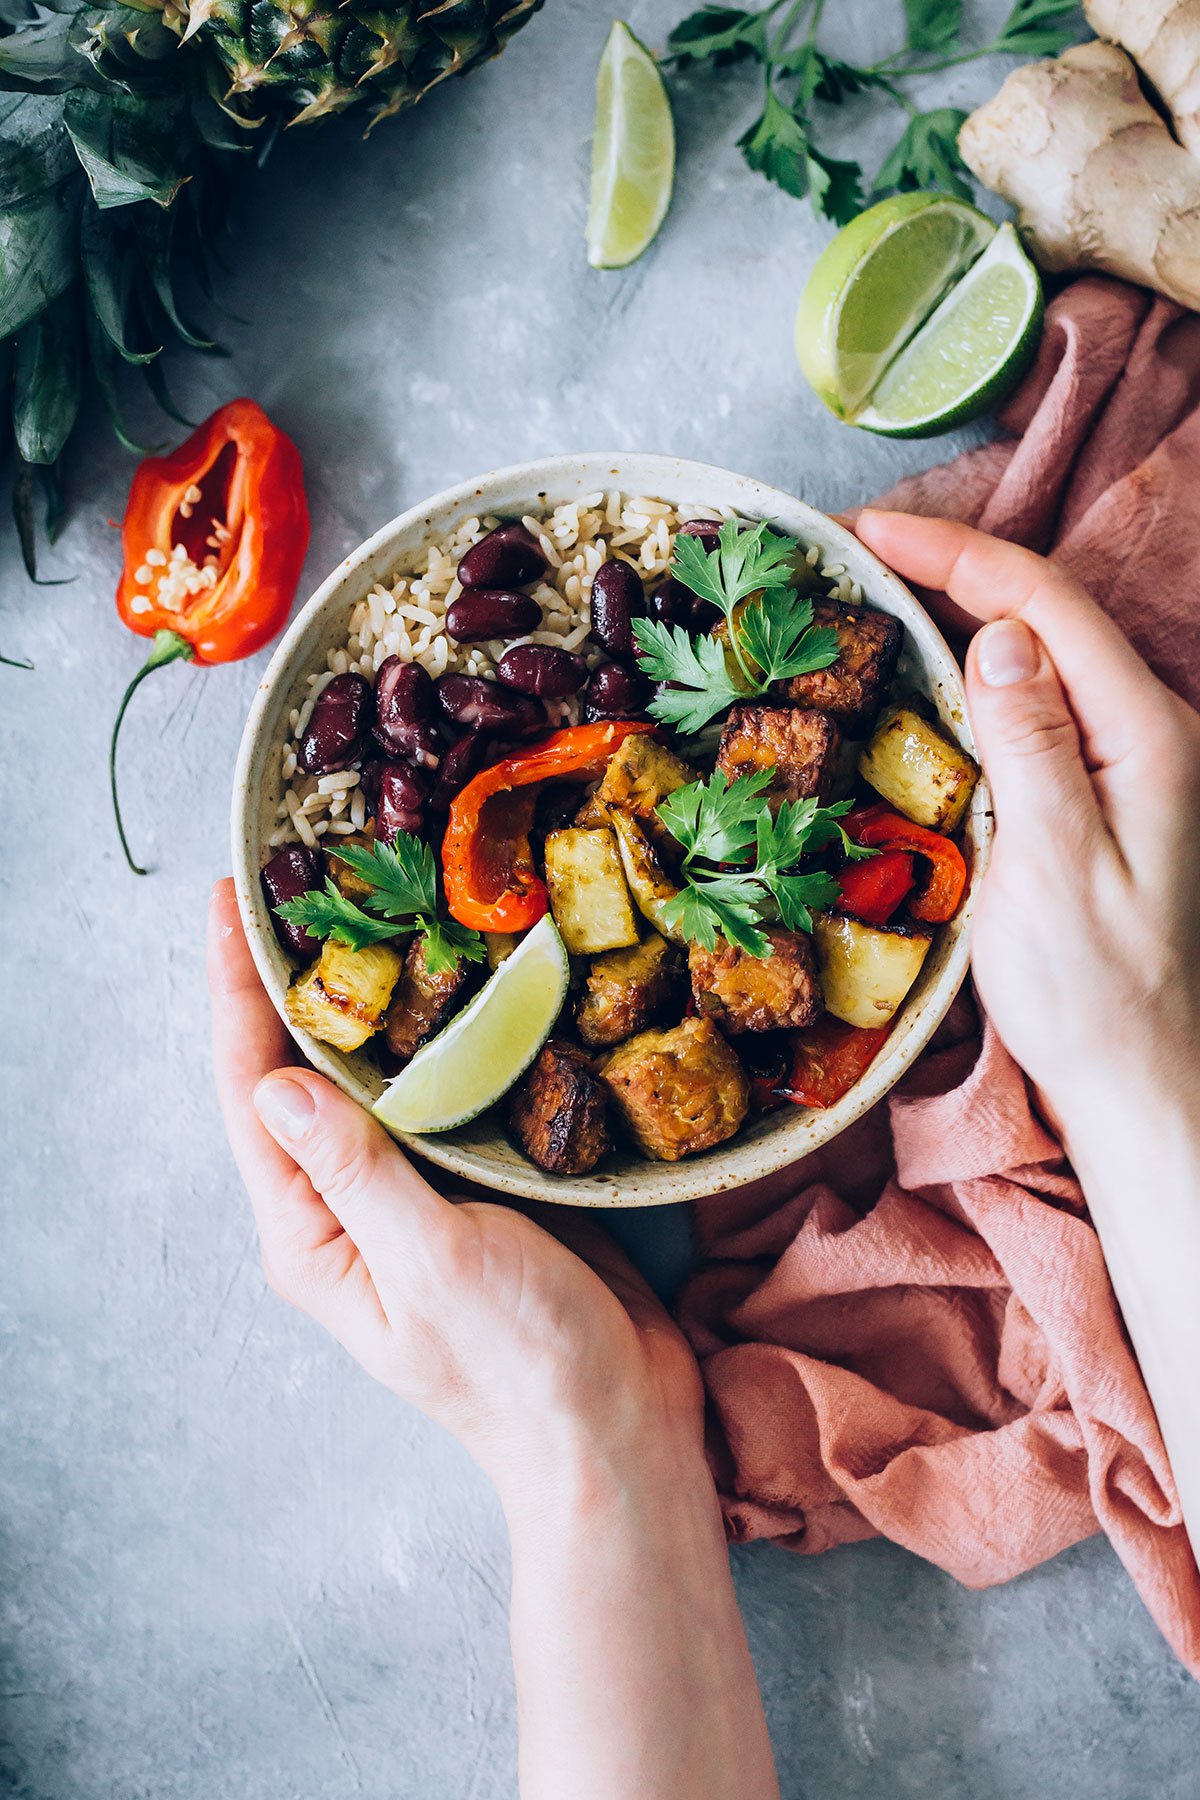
[168,647]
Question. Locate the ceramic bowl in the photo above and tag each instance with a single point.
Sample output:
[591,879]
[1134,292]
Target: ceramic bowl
[481,1151]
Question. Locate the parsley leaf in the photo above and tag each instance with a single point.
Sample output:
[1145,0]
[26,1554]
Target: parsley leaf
[933,24]
[778,635]
[772,637]
[1028,32]
[835,187]
[446,941]
[777,146]
[798,826]
[326,913]
[742,563]
[717,818]
[718,821]
[927,156]
[727,904]
[667,653]
[402,874]
[720,34]
[403,879]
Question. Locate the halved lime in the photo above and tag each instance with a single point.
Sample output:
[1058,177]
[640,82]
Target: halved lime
[875,284]
[633,153]
[969,354]
[476,1059]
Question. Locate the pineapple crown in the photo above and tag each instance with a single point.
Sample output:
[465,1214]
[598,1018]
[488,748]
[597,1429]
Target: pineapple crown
[118,128]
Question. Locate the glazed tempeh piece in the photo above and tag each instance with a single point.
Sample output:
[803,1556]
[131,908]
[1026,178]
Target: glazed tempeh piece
[558,1111]
[799,748]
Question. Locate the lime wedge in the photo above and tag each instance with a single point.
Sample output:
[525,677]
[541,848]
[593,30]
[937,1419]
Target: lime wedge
[969,354]
[476,1059]
[633,153]
[875,284]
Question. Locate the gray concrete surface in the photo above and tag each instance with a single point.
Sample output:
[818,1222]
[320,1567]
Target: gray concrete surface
[231,1568]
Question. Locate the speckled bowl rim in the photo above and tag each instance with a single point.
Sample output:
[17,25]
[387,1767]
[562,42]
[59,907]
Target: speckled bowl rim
[480,1152]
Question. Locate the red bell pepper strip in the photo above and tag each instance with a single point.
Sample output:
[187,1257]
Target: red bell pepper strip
[829,1058]
[214,539]
[937,898]
[487,864]
[873,889]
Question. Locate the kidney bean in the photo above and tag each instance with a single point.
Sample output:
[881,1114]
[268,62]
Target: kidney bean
[475,704]
[617,600]
[675,604]
[337,727]
[491,613]
[405,704]
[402,796]
[671,603]
[615,693]
[704,529]
[293,871]
[460,763]
[507,557]
[542,669]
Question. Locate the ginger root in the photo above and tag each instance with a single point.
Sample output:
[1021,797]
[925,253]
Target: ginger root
[1163,38]
[1098,180]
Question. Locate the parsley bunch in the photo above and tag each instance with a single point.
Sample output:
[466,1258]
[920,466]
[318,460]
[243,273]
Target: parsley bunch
[772,637]
[799,78]
[404,886]
[722,822]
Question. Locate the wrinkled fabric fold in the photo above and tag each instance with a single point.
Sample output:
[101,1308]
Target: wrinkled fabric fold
[911,1333]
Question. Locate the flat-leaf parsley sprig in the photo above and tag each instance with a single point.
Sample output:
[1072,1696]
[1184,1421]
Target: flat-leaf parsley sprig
[800,79]
[772,637]
[720,822]
[403,881]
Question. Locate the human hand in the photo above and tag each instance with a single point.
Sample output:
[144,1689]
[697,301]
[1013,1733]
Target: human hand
[472,1311]
[1086,940]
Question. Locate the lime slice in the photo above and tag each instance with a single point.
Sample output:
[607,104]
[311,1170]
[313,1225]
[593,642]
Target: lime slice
[969,354]
[633,153]
[875,284]
[476,1059]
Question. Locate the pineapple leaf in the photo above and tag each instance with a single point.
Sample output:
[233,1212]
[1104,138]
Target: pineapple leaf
[23,506]
[156,381]
[37,254]
[104,360]
[47,381]
[40,53]
[155,234]
[120,142]
[108,271]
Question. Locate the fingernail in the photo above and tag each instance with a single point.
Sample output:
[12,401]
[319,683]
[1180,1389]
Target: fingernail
[284,1106]
[1006,652]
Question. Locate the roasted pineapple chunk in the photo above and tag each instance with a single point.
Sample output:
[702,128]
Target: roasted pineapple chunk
[500,946]
[639,775]
[342,999]
[649,882]
[866,970]
[918,769]
[350,885]
[588,894]
[627,989]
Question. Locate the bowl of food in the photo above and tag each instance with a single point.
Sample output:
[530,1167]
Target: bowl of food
[609,825]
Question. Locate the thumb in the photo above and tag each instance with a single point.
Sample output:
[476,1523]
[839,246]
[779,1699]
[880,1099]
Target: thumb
[1027,737]
[365,1180]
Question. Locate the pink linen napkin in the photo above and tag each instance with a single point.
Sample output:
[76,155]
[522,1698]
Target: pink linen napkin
[912,1333]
